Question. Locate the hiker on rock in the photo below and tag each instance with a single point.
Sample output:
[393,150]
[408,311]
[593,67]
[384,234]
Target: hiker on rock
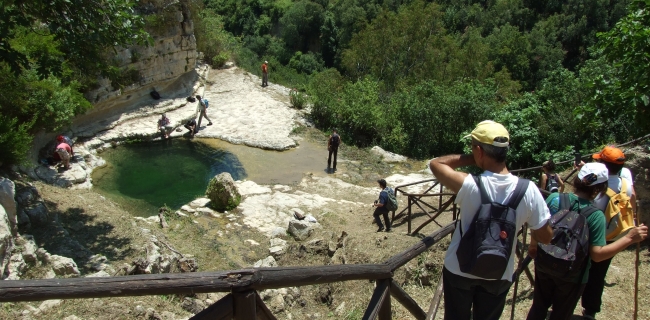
[164,126]
[265,74]
[191,127]
[381,206]
[621,191]
[64,151]
[333,143]
[476,281]
[550,181]
[562,268]
[201,109]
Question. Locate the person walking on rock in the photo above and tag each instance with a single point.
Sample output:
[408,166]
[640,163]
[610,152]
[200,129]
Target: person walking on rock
[380,206]
[265,74]
[202,108]
[333,143]
[480,290]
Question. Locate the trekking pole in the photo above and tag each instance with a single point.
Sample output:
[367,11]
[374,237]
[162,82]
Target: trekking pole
[636,266]
[522,264]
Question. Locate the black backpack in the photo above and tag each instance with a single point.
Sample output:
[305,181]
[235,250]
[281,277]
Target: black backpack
[336,139]
[566,256]
[485,249]
[551,183]
[391,201]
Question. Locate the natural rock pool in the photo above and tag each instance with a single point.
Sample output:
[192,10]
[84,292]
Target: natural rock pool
[145,176]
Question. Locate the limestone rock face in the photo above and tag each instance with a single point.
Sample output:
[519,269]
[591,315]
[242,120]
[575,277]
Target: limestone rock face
[300,229]
[6,240]
[222,192]
[158,67]
[7,194]
[38,214]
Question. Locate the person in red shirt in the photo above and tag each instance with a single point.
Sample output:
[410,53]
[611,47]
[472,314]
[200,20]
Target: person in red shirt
[64,151]
[265,74]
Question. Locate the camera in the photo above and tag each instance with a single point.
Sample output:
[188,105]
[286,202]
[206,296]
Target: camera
[376,201]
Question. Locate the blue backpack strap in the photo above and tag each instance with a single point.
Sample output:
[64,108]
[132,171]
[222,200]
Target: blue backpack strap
[518,193]
[565,201]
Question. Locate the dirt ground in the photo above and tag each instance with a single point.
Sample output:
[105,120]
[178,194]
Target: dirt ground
[110,230]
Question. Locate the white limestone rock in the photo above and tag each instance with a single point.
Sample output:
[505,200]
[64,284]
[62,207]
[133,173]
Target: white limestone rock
[266,263]
[64,267]
[388,156]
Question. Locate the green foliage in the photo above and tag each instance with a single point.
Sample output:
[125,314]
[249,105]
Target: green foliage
[211,39]
[298,100]
[15,140]
[625,86]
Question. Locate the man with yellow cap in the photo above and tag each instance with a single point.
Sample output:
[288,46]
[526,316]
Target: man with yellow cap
[466,293]
[620,181]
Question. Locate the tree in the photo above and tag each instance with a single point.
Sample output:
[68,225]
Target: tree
[627,48]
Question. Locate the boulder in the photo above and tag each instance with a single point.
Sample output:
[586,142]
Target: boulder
[388,156]
[7,196]
[278,232]
[49,304]
[222,192]
[38,214]
[29,248]
[64,267]
[316,246]
[266,263]
[300,230]
[193,305]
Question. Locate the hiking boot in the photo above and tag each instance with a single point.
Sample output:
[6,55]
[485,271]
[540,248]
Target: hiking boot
[389,230]
[209,123]
[380,229]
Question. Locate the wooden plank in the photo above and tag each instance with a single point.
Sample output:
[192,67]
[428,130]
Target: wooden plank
[220,310]
[378,296]
[405,300]
[435,303]
[442,209]
[187,283]
[385,307]
[263,312]
[244,305]
[402,258]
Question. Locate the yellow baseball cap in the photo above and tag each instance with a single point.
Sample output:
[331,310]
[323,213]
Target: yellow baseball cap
[487,131]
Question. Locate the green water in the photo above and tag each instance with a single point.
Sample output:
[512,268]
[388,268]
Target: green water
[147,176]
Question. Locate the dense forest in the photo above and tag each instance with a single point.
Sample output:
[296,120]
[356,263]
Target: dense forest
[410,76]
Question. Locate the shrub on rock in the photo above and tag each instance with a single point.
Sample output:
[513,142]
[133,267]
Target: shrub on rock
[222,192]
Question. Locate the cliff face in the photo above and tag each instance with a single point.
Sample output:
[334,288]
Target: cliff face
[168,66]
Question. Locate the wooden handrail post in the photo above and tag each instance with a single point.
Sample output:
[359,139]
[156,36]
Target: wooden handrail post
[435,303]
[409,214]
[244,305]
[405,300]
[384,309]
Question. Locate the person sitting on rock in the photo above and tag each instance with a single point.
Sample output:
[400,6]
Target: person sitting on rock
[164,126]
[191,126]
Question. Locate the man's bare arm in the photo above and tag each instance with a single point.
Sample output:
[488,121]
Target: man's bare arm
[543,234]
[443,168]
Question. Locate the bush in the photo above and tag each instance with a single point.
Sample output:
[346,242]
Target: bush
[219,60]
[297,99]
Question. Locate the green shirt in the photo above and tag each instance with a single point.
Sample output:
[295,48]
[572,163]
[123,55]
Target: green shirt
[595,223]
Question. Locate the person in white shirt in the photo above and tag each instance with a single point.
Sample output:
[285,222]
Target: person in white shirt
[464,293]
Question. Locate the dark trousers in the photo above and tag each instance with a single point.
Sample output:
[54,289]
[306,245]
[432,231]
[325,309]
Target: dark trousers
[549,291]
[384,212]
[592,297]
[334,151]
[464,296]
[265,79]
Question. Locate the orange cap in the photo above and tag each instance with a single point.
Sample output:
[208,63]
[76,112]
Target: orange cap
[611,154]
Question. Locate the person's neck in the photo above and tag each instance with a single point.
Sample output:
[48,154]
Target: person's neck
[582,195]
[498,168]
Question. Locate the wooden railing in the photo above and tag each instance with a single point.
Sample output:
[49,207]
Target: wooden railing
[243,302]
[429,209]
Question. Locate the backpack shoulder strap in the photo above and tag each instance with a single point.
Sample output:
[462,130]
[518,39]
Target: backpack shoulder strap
[565,201]
[484,196]
[588,210]
[518,193]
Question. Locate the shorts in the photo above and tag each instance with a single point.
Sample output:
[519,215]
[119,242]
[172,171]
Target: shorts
[63,154]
